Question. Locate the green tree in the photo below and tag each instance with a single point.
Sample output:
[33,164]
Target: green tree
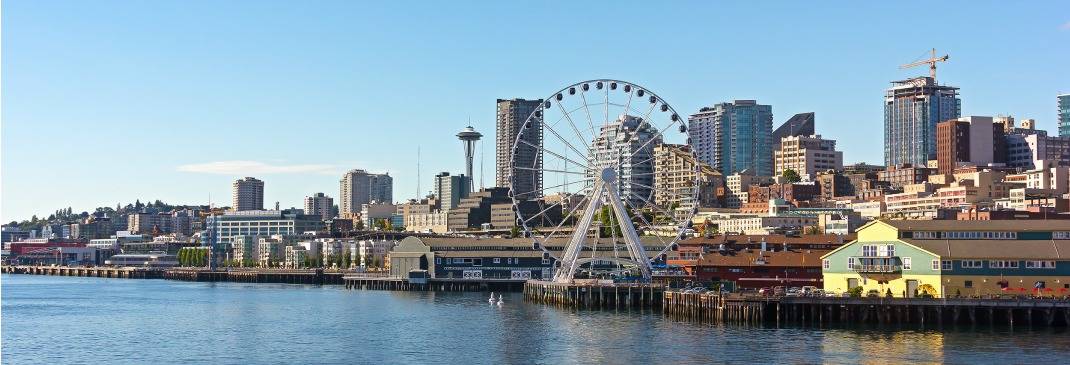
[791,176]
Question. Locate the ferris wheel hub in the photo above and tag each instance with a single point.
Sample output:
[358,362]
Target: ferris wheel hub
[609,175]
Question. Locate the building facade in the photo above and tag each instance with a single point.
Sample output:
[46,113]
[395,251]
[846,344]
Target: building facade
[319,204]
[358,187]
[807,155]
[634,139]
[451,189]
[676,173]
[247,194]
[953,258]
[1063,102]
[912,108]
[733,137]
[973,141]
[511,115]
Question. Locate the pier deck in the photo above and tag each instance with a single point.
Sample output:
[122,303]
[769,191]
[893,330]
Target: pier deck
[828,310]
[595,294]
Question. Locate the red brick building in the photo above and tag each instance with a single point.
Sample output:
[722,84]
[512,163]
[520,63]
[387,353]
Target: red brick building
[751,268]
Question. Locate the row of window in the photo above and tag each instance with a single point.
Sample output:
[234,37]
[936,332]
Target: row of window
[969,235]
[479,261]
[946,265]
[878,250]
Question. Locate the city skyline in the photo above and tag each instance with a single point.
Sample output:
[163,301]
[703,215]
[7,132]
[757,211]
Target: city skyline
[110,81]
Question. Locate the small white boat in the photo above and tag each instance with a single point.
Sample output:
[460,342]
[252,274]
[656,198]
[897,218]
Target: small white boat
[500,300]
[491,300]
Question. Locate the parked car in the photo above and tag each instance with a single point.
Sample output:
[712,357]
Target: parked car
[793,292]
[779,290]
[765,292]
[807,290]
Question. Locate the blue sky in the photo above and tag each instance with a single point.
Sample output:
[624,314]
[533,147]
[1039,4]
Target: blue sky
[107,102]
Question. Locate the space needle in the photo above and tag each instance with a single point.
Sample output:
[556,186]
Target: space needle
[469,136]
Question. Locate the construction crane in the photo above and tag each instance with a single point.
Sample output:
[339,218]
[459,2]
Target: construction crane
[931,61]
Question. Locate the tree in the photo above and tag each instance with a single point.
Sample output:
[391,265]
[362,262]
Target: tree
[791,176]
[514,232]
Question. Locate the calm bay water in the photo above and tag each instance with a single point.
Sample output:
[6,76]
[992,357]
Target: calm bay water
[62,320]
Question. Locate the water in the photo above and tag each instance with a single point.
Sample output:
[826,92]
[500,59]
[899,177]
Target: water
[68,320]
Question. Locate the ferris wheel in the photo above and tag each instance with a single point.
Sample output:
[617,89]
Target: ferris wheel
[583,175]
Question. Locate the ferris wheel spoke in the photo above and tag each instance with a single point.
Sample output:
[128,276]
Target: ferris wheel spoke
[555,186]
[639,213]
[660,133]
[550,170]
[569,145]
[651,205]
[567,216]
[656,189]
[572,124]
[546,151]
[590,122]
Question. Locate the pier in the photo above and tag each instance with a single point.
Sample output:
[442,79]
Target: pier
[594,294]
[96,271]
[880,311]
[280,276]
[378,282]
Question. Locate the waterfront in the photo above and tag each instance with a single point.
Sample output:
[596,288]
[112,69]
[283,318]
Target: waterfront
[92,320]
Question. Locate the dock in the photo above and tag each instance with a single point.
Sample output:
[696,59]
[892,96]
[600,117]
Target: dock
[595,294]
[280,276]
[383,282]
[713,307]
[96,271]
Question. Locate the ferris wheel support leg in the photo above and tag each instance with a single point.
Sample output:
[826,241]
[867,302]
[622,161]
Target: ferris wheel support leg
[631,238]
[572,252]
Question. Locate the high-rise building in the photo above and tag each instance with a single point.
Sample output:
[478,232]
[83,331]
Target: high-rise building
[912,108]
[248,194]
[319,204]
[976,141]
[511,116]
[1064,115]
[807,155]
[733,137]
[451,189]
[358,187]
[625,146]
[801,124]
[675,175]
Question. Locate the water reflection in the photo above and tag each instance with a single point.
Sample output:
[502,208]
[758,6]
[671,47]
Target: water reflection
[160,321]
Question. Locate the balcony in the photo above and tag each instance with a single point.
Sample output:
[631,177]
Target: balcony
[881,265]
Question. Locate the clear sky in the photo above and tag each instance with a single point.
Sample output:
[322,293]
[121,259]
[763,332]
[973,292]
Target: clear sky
[110,101]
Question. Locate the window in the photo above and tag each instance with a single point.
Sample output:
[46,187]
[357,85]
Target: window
[438,260]
[945,265]
[545,261]
[825,264]
[1040,264]
[869,250]
[968,284]
[891,250]
[497,260]
[971,264]
[936,265]
[1002,264]
[850,263]
[906,263]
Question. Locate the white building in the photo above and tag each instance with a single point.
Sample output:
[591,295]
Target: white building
[295,257]
[630,137]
